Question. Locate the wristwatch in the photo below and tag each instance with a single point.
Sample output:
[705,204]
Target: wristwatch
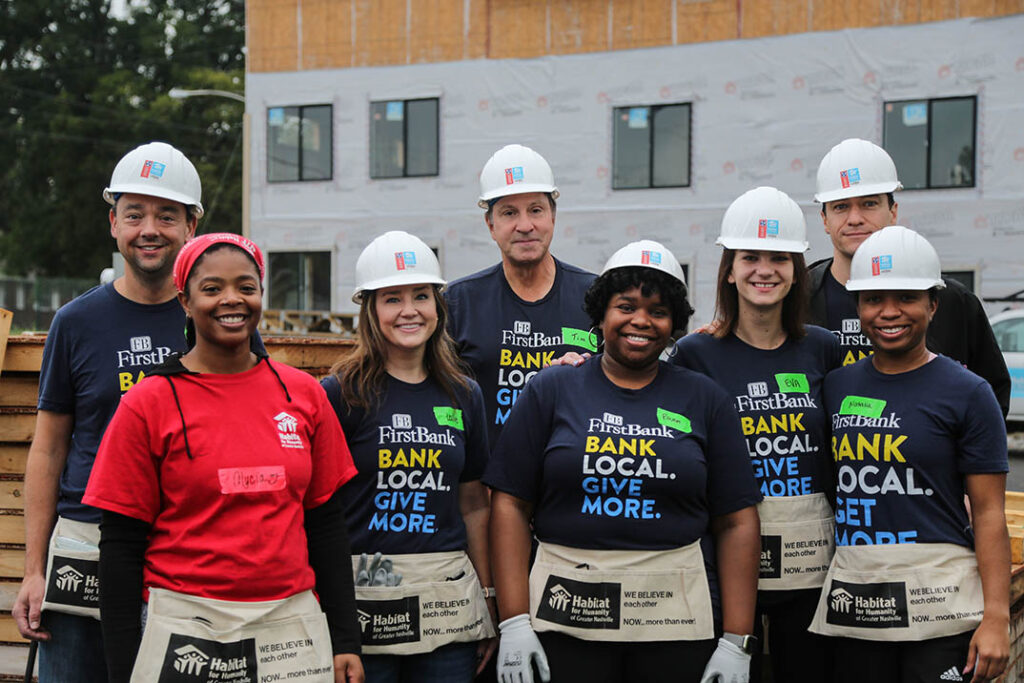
[746,643]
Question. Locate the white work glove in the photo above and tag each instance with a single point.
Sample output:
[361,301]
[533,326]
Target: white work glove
[379,572]
[517,649]
[728,664]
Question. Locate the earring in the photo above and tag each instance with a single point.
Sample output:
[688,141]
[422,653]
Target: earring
[596,337]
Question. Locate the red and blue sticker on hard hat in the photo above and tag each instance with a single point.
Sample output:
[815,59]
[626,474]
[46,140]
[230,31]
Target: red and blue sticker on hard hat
[881,264]
[153,169]
[767,227]
[850,176]
[650,257]
[513,175]
[405,259]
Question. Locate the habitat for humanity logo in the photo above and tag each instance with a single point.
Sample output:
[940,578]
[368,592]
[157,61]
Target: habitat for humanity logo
[152,169]
[850,176]
[405,259]
[69,578]
[559,598]
[842,600]
[364,620]
[190,660]
[286,427]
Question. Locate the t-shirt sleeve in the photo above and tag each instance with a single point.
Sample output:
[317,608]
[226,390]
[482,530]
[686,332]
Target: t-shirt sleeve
[475,421]
[982,444]
[349,418]
[833,353]
[125,477]
[56,386]
[332,461]
[517,462]
[455,318]
[684,353]
[731,485]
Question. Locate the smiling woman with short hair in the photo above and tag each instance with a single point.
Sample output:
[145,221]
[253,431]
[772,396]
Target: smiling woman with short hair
[626,468]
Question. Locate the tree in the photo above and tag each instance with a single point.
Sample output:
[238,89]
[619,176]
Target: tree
[81,88]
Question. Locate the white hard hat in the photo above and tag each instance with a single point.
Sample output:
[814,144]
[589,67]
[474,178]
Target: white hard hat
[515,169]
[895,257]
[855,168]
[646,254]
[157,170]
[395,258]
[764,219]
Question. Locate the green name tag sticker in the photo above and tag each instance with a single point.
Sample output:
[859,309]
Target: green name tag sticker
[574,337]
[674,420]
[793,383]
[858,405]
[448,417]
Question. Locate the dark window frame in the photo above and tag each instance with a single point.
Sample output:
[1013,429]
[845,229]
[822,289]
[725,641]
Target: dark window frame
[330,146]
[305,290]
[405,139]
[651,109]
[928,139]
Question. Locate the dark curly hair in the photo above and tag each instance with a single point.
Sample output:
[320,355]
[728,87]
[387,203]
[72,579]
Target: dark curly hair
[650,281]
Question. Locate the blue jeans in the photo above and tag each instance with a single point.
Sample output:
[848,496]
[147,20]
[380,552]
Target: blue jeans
[74,653]
[453,663]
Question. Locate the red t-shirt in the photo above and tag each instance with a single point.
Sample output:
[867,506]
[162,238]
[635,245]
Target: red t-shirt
[228,523]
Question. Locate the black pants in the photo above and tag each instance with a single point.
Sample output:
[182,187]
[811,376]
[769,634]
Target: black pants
[572,659]
[795,654]
[868,661]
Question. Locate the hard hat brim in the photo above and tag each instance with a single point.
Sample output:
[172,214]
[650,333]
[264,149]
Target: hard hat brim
[484,201]
[357,294]
[858,191]
[788,246]
[880,284]
[150,191]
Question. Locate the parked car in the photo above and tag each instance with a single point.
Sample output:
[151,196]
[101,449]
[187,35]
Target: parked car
[1008,327]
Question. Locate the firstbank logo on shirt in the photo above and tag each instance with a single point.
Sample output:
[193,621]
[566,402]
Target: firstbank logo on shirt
[140,354]
[851,326]
[286,429]
[521,327]
[401,421]
[612,419]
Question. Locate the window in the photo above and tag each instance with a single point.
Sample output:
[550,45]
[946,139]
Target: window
[651,147]
[403,138]
[299,143]
[932,141]
[300,280]
[1010,335]
[964,277]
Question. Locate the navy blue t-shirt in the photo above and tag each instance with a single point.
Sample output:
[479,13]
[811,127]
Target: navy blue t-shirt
[777,394]
[843,321]
[613,468]
[412,453]
[506,340]
[903,443]
[99,345]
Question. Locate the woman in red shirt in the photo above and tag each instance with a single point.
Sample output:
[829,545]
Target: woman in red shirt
[217,478]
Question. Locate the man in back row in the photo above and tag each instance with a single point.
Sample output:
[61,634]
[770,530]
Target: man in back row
[98,347]
[855,186]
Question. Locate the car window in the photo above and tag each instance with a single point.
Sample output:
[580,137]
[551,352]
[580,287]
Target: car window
[1010,335]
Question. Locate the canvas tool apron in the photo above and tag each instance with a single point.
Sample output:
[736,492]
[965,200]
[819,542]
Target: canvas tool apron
[797,541]
[439,601]
[906,592]
[73,569]
[189,639]
[621,595]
